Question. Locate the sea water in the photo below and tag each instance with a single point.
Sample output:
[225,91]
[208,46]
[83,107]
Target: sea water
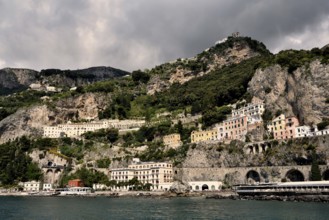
[155,208]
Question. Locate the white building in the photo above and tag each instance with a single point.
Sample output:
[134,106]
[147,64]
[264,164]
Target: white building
[251,109]
[77,129]
[159,174]
[205,185]
[32,186]
[322,132]
[48,187]
[303,131]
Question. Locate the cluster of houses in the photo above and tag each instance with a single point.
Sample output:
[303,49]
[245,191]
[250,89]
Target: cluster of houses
[77,129]
[247,118]
[283,128]
[235,127]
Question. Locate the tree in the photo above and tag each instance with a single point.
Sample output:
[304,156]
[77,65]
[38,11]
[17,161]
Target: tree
[140,76]
[315,170]
[112,135]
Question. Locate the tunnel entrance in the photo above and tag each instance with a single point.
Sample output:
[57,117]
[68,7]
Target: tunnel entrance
[295,175]
[252,176]
[205,187]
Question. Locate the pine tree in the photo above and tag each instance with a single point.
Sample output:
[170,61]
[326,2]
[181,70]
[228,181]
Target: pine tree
[315,170]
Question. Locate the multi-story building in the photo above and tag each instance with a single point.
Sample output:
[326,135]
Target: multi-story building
[32,186]
[48,187]
[251,109]
[283,127]
[203,136]
[159,174]
[172,140]
[233,128]
[77,129]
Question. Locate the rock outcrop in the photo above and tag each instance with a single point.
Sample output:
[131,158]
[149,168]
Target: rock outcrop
[302,93]
[29,121]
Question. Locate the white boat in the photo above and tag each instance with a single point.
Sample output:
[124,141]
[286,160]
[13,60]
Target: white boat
[74,191]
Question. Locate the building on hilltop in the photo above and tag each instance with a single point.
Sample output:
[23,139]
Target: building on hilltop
[283,127]
[159,174]
[172,140]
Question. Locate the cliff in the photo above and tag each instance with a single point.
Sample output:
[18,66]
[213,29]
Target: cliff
[29,121]
[302,93]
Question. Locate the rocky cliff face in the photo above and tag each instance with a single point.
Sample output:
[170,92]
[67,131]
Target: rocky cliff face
[16,79]
[302,93]
[29,121]
[12,80]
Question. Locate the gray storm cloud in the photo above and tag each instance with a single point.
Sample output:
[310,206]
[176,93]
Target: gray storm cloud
[70,34]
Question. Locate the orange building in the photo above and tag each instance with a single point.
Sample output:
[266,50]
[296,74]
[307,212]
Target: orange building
[75,183]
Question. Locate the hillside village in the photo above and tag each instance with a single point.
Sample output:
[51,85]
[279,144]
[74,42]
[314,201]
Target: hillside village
[229,115]
[159,176]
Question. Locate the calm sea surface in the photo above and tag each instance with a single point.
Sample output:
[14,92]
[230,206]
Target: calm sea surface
[155,208]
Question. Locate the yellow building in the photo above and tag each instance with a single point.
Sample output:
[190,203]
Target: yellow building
[200,136]
[159,174]
[283,127]
[172,140]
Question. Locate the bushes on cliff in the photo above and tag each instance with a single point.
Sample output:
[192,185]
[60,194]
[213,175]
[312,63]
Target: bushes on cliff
[323,124]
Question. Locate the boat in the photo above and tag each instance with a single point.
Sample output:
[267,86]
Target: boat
[284,189]
[74,191]
[43,193]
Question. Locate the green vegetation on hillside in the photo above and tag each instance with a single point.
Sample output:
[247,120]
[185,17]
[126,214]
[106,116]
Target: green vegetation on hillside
[15,164]
[11,103]
[202,61]
[217,88]
[293,59]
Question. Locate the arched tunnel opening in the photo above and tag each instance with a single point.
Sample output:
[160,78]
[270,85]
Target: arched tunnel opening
[252,176]
[295,175]
[205,187]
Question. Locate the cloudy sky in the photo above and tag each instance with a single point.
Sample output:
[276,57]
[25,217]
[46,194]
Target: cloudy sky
[138,34]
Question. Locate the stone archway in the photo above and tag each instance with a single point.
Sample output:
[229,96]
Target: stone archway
[205,187]
[294,175]
[252,176]
[213,187]
[49,176]
[197,188]
[325,175]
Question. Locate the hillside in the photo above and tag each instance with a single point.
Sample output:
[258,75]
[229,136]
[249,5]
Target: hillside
[209,86]
[13,79]
[232,51]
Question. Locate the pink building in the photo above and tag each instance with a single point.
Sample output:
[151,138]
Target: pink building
[233,128]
